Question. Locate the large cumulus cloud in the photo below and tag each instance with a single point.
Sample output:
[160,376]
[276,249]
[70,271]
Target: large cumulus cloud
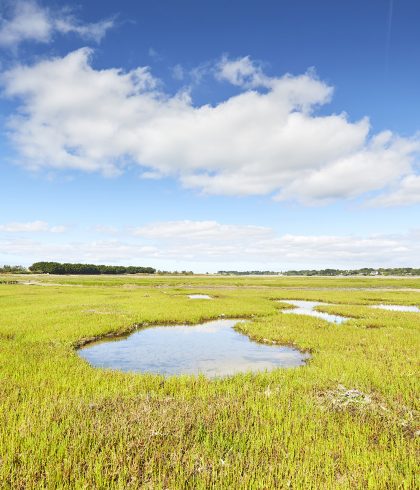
[267,139]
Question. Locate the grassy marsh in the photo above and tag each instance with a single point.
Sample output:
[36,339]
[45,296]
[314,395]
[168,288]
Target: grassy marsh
[65,424]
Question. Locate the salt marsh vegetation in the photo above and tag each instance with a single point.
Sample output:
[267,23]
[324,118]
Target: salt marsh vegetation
[347,419]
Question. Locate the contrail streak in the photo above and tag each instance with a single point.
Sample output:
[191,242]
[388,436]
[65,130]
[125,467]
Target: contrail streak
[388,34]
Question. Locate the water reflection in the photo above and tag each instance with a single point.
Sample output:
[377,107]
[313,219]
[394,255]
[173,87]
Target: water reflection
[212,348]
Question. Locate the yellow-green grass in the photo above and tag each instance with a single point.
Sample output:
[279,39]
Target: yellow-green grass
[65,424]
[222,281]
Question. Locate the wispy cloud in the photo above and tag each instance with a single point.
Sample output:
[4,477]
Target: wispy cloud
[201,230]
[106,229]
[155,55]
[29,21]
[388,34]
[227,246]
[31,227]
[178,72]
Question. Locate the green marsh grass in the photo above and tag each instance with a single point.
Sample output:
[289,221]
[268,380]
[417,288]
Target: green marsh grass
[65,424]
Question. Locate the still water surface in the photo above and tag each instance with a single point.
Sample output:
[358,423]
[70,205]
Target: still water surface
[307,308]
[413,309]
[212,348]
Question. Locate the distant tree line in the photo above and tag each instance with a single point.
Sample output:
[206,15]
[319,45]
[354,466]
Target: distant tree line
[175,273]
[66,268]
[13,269]
[249,273]
[365,271]
[401,271]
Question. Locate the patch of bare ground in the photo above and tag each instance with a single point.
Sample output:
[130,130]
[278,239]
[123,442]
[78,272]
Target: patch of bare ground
[343,399]
[47,284]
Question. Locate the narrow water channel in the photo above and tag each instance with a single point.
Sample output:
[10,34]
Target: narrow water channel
[302,307]
[413,309]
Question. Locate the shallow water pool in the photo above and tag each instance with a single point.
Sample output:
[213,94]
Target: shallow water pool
[212,348]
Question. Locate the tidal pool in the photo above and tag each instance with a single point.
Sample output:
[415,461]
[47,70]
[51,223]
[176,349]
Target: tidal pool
[302,307]
[413,309]
[199,296]
[213,348]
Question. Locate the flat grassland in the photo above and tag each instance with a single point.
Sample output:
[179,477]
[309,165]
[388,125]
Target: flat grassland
[348,419]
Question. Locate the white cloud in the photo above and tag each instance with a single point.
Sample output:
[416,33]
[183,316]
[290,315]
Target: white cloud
[272,142]
[108,251]
[94,31]
[31,227]
[28,21]
[406,192]
[211,245]
[374,167]
[242,72]
[201,230]
[210,240]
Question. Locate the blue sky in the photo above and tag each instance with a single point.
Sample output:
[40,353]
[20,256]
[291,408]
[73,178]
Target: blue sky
[210,135]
